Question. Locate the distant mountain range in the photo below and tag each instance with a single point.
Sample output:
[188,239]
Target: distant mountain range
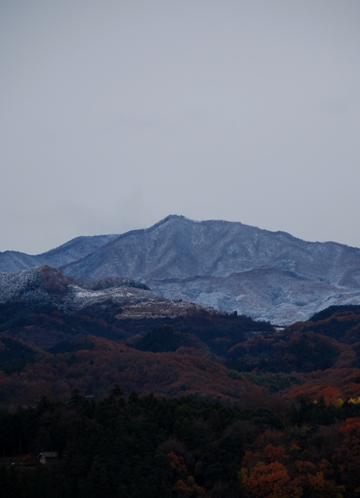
[225,265]
[13,261]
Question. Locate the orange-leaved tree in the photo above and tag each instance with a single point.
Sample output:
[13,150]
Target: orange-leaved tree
[269,481]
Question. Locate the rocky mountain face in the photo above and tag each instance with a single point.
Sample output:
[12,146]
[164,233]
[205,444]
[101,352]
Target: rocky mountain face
[226,265]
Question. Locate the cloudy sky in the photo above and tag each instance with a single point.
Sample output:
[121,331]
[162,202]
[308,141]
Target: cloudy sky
[116,113]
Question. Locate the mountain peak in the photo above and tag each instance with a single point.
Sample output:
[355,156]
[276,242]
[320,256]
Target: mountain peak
[171,218]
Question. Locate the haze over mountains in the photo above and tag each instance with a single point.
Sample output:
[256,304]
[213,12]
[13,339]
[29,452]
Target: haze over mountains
[225,265]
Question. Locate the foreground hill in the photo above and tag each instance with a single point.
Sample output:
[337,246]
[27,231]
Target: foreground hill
[56,336]
[42,307]
[228,266]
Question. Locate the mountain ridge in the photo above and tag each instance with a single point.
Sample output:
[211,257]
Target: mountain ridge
[13,261]
[225,265]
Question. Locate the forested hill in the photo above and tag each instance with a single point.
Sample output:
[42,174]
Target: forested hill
[201,352]
[198,404]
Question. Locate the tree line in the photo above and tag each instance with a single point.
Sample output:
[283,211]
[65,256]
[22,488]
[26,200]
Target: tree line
[138,446]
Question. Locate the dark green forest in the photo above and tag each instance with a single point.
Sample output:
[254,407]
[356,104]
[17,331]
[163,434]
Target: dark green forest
[162,447]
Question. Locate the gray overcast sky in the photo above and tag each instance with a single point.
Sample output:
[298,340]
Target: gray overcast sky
[114,114]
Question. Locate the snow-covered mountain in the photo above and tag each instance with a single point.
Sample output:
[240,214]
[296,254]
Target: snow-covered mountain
[44,286]
[229,266]
[14,261]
